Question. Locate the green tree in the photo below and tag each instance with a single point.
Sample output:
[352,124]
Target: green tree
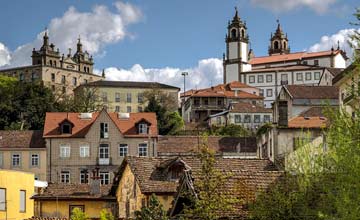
[154,211]
[78,214]
[210,200]
[229,130]
[105,215]
[87,99]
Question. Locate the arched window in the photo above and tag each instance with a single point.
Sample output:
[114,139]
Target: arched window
[84,69]
[242,33]
[276,45]
[50,62]
[284,44]
[233,33]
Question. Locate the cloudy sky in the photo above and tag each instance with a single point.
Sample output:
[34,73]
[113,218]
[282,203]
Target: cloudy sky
[156,40]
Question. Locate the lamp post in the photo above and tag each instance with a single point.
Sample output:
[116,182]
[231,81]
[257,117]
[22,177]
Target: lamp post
[184,74]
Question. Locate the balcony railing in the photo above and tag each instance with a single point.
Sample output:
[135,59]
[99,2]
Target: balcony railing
[104,161]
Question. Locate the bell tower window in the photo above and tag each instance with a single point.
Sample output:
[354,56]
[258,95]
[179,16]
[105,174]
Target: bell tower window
[233,33]
[284,45]
[242,33]
[276,45]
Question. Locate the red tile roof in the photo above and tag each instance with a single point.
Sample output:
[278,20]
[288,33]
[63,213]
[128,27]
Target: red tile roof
[291,56]
[21,139]
[313,92]
[307,122]
[82,126]
[248,108]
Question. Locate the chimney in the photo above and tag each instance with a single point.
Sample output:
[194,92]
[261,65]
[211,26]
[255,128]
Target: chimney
[283,113]
[95,182]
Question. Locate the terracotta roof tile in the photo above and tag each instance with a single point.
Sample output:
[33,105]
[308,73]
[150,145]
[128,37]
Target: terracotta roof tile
[248,108]
[313,92]
[22,139]
[307,122]
[82,126]
[291,56]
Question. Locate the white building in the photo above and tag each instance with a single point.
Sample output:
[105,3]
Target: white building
[280,67]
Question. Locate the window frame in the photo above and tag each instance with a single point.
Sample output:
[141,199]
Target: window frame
[265,118]
[260,77]
[19,160]
[251,79]
[84,150]
[32,159]
[128,109]
[84,176]
[247,118]
[257,118]
[143,128]
[104,151]
[306,76]
[104,178]
[104,130]
[299,76]
[267,78]
[117,97]
[65,175]
[316,75]
[143,150]
[128,98]
[123,150]
[65,150]
[267,92]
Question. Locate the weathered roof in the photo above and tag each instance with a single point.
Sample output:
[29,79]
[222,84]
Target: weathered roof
[82,126]
[177,145]
[334,71]
[130,84]
[22,139]
[313,117]
[312,92]
[61,191]
[244,107]
[151,179]
[292,56]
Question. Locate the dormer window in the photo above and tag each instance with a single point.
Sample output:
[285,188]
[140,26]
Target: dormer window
[66,129]
[143,128]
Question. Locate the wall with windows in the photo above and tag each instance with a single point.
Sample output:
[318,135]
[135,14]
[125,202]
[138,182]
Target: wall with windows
[16,189]
[103,145]
[25,159]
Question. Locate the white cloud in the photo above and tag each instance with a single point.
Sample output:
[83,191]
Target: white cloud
[342,36]
[4,55]
[277,6]
[208,72]
[97,28]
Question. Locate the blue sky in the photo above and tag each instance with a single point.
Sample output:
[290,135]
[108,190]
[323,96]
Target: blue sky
[156,40]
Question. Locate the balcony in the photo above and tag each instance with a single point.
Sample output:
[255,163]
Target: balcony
[103,161]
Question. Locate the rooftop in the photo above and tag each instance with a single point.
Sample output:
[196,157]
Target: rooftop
[130,84]
[22,139]
[244,107]
[312,92]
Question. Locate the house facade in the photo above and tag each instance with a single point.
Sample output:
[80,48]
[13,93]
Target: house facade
[23,151]
[280,67]
[79,142]
[126,96]
[245,114]
[199,104]
[60,73]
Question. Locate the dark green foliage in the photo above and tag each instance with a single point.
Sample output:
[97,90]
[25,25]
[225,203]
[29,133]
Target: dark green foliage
[229,130]
[154,211]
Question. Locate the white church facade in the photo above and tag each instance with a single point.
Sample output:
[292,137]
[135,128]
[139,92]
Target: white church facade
[280,67]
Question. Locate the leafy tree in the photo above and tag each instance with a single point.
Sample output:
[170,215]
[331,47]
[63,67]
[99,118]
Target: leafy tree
[105,215]
[229,130]
[210,200]
[154,211]
[87,99]
[78,214]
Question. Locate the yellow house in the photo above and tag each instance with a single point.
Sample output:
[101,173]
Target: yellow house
[16,190]
[348,82]
[58,200]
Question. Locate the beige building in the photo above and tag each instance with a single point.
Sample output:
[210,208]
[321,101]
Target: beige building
[77,143]
[61,73]
[127,96]
[23,151]
[348,83]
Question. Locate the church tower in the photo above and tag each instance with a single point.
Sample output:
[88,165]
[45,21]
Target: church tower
[237,50]
[47,55]
[279,43]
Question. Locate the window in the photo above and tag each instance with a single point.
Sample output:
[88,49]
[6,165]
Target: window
[143,149]
[35,159]
[206,101]
[317,75]
[74,81]
[117,108]
[251,79]
[104,96]
[2,199]
[140,109]
[261,92]
[15,160]
[104,178]
[65,177]
[63,79]
[22,201]
[128,109]
[316,62]
[247,118]
[21,77]
[196,101]
[260,78]
[284,77]
[64,150]
[104,130]
[299,76]
[305,62]
[268,78]
[84,176]
[276,45]
[266,118]
[237,118]
[308,76]
[66,129]
[84,150]
[140,98]
[233,33]
[104,151]
[219,102]
[63,89]
[52,77]
[143,128]
[128,97]
[256,118]
[123,150]
[117,97]
[269,93]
